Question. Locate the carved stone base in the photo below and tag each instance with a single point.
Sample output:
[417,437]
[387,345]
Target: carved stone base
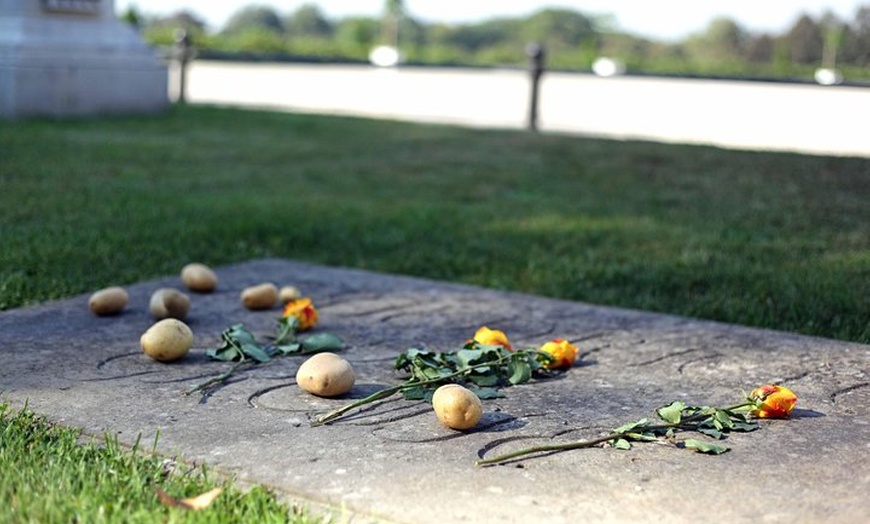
[75,59]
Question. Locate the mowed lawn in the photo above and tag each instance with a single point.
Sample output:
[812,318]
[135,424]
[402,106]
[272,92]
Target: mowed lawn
[773,240]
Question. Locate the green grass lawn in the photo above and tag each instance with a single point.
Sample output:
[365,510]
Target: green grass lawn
[773,240]
[51,476]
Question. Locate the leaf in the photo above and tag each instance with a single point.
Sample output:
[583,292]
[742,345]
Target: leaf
[192,503]
[712,432]
[288,349]
[226,353]
[645,437]
[245,345]
[487,393]
[724,418]
[416,393]
[322,342]
[483,380]
[704,447]
[520,370]
[625,428]
[467,357]
[621,443]
[672,413]
[744,426]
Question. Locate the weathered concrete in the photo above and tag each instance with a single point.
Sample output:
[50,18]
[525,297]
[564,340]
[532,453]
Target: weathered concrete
[394,462]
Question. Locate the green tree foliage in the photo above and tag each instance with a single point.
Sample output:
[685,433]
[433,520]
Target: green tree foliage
[572,41]
[357,35]
[805,41]
[856,40]
[163,31]
[308,21]
[255,17]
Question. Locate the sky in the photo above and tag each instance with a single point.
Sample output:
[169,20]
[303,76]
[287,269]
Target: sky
[662,19]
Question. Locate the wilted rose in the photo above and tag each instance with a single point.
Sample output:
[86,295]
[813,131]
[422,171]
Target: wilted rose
[562,352]
[304,312]
[492,337]
[775,401]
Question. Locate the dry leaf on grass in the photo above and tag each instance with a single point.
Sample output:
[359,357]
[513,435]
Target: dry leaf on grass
[193,503]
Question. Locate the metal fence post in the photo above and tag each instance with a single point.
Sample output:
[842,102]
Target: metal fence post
[183,53]
[536,54]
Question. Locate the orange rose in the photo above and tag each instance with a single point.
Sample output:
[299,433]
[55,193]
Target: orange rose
[563,353]
[492,337]
[304,312]
[775,401]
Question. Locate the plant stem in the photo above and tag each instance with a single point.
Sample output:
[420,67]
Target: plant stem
[578,444]
[208,384]
[377,395]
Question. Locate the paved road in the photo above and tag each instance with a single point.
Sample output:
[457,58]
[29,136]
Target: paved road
[744,115]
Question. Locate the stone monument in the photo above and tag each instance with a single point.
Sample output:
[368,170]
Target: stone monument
[64,58]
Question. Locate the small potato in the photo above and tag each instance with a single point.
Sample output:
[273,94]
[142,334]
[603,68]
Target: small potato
[169,303]
[325,375]
[199,277]
[262,296]
[108,301]
[167,340]
[289,294]
[457,407]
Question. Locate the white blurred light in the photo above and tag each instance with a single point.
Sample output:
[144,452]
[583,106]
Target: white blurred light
[604,66]
[828,77]
[385,56]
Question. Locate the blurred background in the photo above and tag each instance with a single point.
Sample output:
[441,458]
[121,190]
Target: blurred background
[827,41]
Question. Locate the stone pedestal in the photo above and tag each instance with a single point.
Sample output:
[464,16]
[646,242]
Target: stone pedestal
[64,58]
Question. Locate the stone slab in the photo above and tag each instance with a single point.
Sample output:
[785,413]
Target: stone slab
[395,463]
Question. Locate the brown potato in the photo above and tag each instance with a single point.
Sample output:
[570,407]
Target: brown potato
[169,303]
[199,277]
[167,340]
[261,296]
[325,375]
[108,301]
[289,294]
[457,407]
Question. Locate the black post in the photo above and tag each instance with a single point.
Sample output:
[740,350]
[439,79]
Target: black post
[536,56]
[183,54]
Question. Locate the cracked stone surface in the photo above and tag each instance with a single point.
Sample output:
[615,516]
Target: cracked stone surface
[393,462]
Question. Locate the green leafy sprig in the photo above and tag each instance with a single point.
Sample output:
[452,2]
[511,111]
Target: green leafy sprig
[482,368]
[676,416]
[239,345]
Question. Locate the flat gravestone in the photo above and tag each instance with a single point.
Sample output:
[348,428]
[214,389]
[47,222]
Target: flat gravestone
[395,462]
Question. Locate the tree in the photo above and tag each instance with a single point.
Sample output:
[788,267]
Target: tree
[357,34]
[558,28]
[723,42]
[308,21]
[132,16]
[760,49]
[856,39]
[805,41]
[254,17]
[394,11]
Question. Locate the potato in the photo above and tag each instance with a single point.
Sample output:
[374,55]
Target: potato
[108,301]
[457,407]
[169,303]
[261,296]
[199,277]
[167,340]
[325,375]
[289,294]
